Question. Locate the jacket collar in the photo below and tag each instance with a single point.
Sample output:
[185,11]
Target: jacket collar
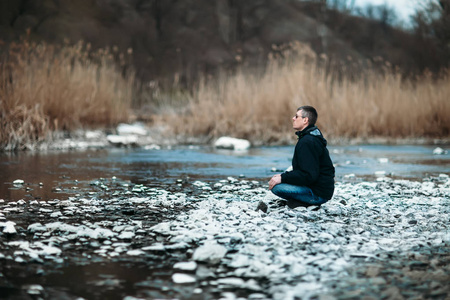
[305,131]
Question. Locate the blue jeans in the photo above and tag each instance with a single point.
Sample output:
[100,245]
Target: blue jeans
[297,195]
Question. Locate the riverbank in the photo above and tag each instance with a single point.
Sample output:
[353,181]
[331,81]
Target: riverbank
[206,240]
[138,135]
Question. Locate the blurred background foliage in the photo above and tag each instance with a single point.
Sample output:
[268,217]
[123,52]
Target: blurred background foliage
[206,68]
[184,39]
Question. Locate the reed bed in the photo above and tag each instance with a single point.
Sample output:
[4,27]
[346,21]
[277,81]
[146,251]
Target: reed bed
[260,107]
[45,88]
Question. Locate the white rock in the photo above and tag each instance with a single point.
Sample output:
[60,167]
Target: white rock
[56,214]
[177,246]
[232,179]
[210,252]
[19,260]
[304,288]
[133,129]
[232,143]
[135,252]
[325,236]
[34,289]
[8,227]
[97,233]
[439,151]
[49,250]
[119,140]
[186,266]
[126,235]
[232,281]
[155,247]
[93,134]
[239,261]
[228,296]
[36,227]
[80,231]
[161,228]
[183,278]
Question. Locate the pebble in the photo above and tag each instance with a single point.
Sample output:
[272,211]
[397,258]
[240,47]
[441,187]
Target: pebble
[156,247]
[126,235]
[135,252]
[210,252]
[183,278]
[186,266]
[34,289]
[8,227]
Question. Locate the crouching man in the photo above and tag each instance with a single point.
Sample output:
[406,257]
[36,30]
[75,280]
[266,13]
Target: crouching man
[311,181]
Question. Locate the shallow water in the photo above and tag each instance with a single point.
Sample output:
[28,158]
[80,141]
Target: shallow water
[49,175]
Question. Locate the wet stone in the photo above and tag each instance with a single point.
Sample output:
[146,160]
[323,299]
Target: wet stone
[186,266]
[34,289]
[183,278]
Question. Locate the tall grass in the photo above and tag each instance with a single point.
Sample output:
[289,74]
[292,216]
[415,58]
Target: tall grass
[44,88]
[260,107]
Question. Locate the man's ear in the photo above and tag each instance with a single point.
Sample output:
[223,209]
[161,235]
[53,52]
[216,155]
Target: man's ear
[306,120]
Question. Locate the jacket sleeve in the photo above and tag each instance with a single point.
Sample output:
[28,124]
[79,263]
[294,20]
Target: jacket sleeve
[307,164]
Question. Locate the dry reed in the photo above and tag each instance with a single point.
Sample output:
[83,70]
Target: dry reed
[45,88]
[259,108]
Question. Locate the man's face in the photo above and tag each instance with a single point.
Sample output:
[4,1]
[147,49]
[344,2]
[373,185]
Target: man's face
[298,122]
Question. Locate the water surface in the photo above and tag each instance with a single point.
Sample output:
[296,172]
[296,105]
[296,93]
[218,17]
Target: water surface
[47,175]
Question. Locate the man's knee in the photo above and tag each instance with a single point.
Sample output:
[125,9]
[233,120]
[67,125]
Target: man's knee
[275,190]
[280,189]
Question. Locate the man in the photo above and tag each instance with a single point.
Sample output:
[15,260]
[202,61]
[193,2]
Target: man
[311,181]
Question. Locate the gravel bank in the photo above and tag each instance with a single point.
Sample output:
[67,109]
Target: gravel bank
[386,239]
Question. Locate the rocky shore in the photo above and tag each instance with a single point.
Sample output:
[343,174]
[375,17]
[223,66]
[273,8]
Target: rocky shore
[155,137]
[387,239]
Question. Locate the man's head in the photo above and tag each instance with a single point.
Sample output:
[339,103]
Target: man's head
[306,115]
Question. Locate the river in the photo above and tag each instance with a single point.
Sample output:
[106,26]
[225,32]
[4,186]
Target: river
[48,173]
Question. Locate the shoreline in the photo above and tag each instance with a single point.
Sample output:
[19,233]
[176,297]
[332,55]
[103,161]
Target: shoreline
[156,138]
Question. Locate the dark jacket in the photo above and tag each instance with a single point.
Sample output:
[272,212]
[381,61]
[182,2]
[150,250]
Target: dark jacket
[312,165]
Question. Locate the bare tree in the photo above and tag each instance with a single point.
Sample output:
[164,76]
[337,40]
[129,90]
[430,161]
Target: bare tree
[433,22]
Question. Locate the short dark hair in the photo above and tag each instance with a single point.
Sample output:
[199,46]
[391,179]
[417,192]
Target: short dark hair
[310,113]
